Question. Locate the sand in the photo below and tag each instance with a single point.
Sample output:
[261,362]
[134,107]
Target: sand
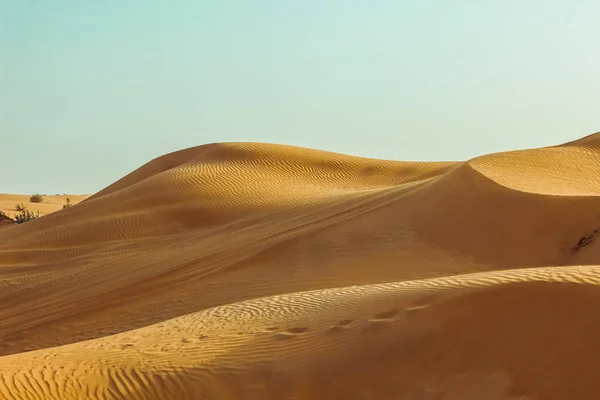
[261,271]
[49,204]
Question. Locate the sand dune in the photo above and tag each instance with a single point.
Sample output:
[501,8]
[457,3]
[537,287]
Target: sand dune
[259,271]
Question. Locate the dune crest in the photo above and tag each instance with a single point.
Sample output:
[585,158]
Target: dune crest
[262,271]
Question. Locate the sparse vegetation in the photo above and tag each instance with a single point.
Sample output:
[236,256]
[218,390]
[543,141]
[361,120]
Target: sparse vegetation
[36,198]
[26,216]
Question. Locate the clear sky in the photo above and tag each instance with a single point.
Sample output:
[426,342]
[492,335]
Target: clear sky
[91,90]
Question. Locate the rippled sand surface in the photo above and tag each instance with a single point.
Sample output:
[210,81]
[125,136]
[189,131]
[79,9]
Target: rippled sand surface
[261,271]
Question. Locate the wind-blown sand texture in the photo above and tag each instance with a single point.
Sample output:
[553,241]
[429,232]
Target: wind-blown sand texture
[259,271]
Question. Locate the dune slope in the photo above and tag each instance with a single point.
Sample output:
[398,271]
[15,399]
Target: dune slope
[248,270]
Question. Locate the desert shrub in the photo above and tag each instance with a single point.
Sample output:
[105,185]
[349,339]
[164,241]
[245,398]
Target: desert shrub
[67,204]
[25,216]
[36,198]
[20,207]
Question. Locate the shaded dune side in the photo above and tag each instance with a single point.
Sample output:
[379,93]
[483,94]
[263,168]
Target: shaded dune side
[107,270]
[467,212]
[439,338]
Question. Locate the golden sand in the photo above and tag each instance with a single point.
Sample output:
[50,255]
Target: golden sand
[260,271]
[49,204]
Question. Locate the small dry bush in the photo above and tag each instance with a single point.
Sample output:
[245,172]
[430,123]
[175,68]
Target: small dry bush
[26,216]
[36,198]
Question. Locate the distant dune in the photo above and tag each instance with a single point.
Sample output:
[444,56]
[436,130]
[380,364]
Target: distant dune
[49,204]
[262,271]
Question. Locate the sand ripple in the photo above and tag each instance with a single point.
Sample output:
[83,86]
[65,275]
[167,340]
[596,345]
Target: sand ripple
[258,271]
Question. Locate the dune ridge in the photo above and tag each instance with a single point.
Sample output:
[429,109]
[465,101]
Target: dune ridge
[252,270]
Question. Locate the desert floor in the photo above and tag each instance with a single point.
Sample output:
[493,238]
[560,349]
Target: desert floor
[261,271]
[49,204]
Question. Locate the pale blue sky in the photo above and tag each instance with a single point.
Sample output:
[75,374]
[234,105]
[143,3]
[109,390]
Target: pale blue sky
[90,90]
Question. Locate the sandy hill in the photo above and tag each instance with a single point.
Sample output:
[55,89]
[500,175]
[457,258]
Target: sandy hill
[260,271]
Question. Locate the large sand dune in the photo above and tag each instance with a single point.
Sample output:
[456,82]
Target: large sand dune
[259,271]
